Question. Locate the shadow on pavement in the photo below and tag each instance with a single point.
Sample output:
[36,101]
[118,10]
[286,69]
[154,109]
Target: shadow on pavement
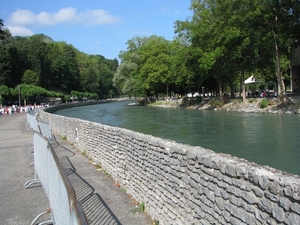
[95,208]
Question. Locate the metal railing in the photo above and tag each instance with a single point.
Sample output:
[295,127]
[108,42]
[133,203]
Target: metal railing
[64,207]
[45,130]
[32,120]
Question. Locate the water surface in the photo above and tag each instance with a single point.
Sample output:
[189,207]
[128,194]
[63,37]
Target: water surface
[267,139]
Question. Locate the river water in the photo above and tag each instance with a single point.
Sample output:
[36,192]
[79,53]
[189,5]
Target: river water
[267,139]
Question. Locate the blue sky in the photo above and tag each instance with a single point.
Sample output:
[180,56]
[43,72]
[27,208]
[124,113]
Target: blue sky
[94,26]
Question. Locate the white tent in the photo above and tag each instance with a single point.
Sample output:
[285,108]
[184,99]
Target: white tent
[250,80]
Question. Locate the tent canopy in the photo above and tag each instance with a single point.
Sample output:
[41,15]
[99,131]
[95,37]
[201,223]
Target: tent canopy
[250,80]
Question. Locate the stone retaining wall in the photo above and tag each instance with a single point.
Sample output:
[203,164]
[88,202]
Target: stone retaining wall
[181,184]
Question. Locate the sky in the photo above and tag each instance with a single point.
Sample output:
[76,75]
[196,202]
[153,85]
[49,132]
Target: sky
[94,26]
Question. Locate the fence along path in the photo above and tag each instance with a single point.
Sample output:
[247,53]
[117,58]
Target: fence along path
[64,207]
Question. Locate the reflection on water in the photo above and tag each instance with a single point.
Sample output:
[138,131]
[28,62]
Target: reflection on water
[267,139]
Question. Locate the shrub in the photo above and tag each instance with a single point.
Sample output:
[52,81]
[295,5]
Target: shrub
[198,99]
[216,103]
[251,100]
[264,103]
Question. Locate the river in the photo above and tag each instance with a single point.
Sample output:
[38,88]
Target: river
[266,139]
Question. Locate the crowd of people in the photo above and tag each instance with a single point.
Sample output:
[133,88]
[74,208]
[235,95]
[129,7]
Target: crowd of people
[263,93]
[9,110]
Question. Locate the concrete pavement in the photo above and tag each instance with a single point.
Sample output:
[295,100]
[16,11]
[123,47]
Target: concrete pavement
[18,205]
[102,200]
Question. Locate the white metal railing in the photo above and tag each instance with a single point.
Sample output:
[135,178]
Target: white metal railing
[32,120]
[45,130]
[64,207]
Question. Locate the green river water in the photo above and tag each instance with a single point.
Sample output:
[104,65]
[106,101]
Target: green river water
[266,139]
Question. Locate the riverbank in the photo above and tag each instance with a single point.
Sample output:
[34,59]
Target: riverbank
[281,105]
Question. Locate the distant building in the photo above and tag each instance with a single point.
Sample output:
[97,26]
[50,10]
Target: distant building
[295,69]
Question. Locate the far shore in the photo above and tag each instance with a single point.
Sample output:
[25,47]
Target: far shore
[289,104]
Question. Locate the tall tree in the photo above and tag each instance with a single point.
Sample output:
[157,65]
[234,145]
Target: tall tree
[30,77]
[1,29]
[280,24]
[5,59]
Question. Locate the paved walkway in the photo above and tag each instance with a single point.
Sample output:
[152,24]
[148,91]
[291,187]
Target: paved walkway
[103,202]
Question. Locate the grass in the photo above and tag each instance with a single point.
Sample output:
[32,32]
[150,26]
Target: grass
[64,137]
[139,208]
[251,100]
[98,166]
[164,103]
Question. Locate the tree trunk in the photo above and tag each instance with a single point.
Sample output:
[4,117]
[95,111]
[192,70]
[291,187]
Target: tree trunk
[243,85]
[231,85]
[282,83]
[220,84]
[147,99]
[277,58]
[278,67]
[167,90]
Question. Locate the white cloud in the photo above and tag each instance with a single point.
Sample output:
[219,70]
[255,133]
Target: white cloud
[97,16]
[65,15]
[20,31]
[22,19]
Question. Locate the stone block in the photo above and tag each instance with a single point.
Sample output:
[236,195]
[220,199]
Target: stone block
[296,207]
[278,214]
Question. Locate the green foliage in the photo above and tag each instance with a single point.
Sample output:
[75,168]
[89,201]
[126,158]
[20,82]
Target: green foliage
[83,95]
[4,90]
[64,137]
[139,208]
[264,103]
[98,166]
[111,93]
[39,61]
[30,77]
[251,100]
[198,99]
[216,102]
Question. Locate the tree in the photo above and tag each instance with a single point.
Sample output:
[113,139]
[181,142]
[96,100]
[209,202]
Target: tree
[158,63]
[4,91]
[126,78]
[28,91]
[19,59]
[237,37]
[30,77]
[70,80]
[1,29]
[280,24]
[5,59]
